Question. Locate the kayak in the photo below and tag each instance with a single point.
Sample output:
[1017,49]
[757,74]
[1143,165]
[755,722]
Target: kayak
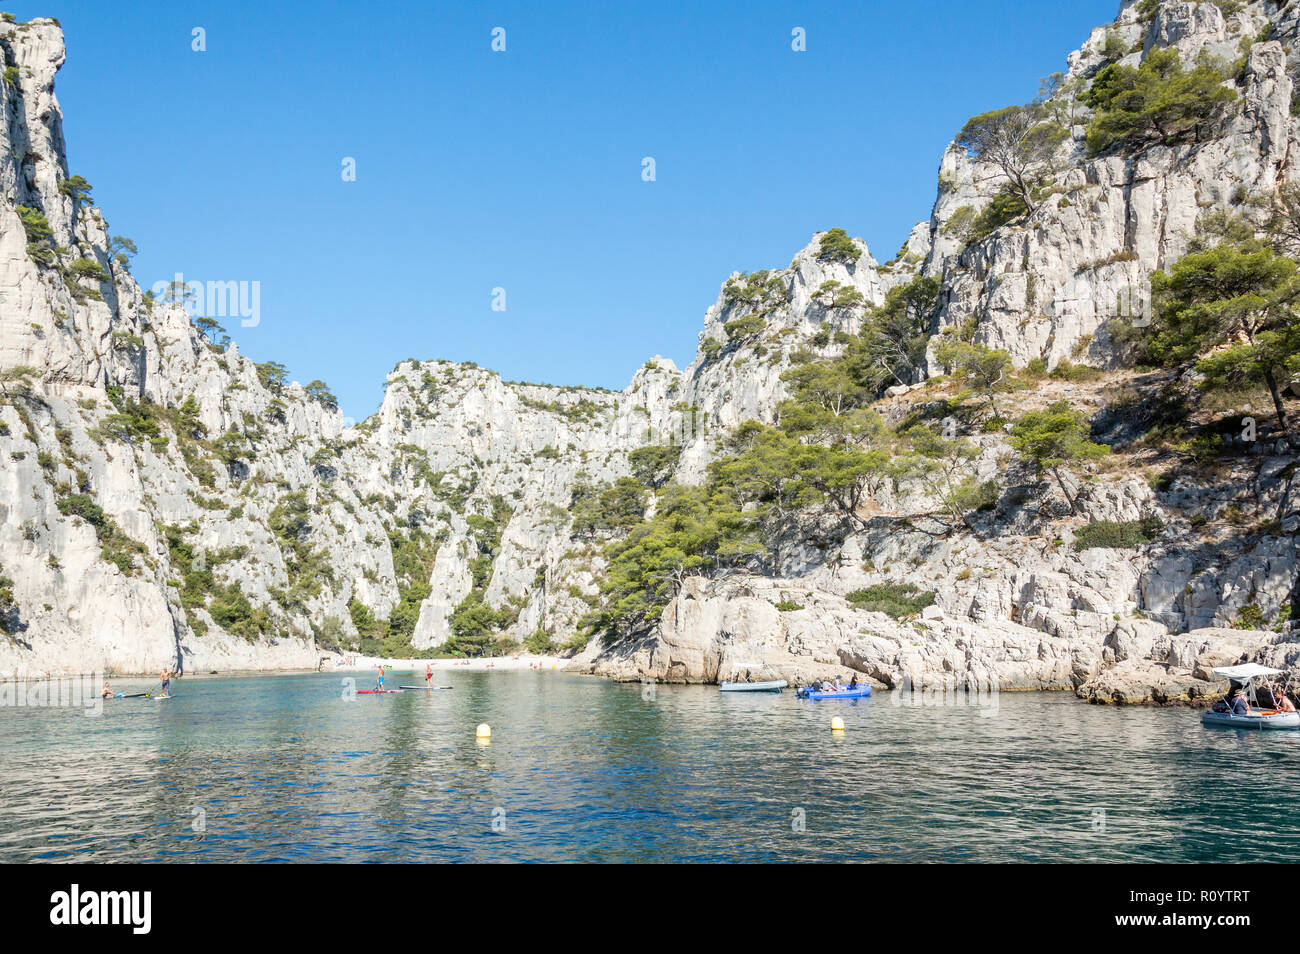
[429,688]
[858,693]
[772,685]
[375,692]
[1254,719]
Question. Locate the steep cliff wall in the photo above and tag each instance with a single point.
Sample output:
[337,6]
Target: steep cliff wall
[165,501]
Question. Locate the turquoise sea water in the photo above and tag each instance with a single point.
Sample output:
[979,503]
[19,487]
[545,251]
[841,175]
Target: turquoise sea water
[284,768]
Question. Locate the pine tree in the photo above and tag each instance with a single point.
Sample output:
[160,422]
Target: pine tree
[1054,438]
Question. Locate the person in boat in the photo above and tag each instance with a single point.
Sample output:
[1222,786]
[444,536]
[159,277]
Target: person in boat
[1239,705]
[853,683]
[1284,703]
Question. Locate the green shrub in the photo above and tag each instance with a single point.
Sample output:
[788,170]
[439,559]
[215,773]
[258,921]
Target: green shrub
[739,328]
[115,546]
[77,188]
[363,618]
[1158,101]
[35,224]
[232,611]
[1118,535]
[960,222]
[88,268]
[654,464]
[472,624]
[837,246]
[898,600]
[136,422]
[1069,371]
[613,508]
[319,391]
[1249,616]
[540,643]
[1003,208]
[9,622]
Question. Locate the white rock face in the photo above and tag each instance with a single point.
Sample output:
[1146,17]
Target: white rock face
[1050,286]
[103,534]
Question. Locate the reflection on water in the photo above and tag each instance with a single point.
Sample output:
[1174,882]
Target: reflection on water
[284,768]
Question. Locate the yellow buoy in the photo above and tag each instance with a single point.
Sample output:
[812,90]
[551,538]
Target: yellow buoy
[484,731]
[837,724]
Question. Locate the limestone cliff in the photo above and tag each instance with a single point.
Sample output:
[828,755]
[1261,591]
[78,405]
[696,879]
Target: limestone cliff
[165,501]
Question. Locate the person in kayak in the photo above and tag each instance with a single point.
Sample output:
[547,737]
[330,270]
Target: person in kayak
[106,692]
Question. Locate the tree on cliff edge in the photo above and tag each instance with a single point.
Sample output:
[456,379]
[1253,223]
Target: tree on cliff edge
[1235,307]
[1018,140]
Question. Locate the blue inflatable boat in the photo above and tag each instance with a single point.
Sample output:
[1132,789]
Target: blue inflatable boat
[858,693]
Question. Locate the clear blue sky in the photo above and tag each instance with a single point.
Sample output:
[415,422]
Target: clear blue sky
[520,169]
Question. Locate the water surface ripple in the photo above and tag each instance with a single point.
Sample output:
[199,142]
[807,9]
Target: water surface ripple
[283,768]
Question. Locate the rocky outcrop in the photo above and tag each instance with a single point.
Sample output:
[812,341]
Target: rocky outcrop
[754,628]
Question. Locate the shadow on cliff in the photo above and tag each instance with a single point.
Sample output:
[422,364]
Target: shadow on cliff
[11,625]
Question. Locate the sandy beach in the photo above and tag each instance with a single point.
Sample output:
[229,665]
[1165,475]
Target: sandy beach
[359,663]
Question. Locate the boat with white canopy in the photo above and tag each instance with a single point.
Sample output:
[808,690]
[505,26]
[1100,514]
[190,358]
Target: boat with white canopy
[1259,714]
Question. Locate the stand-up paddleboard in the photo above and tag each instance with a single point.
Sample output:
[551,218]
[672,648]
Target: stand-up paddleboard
[375,692]
[160,698]
[429,688]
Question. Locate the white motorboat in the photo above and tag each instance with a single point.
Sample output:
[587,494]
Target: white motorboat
[1242,679]
[772,685]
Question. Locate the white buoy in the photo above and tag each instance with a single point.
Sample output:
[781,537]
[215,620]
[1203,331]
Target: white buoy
[484,731]
[837,724]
